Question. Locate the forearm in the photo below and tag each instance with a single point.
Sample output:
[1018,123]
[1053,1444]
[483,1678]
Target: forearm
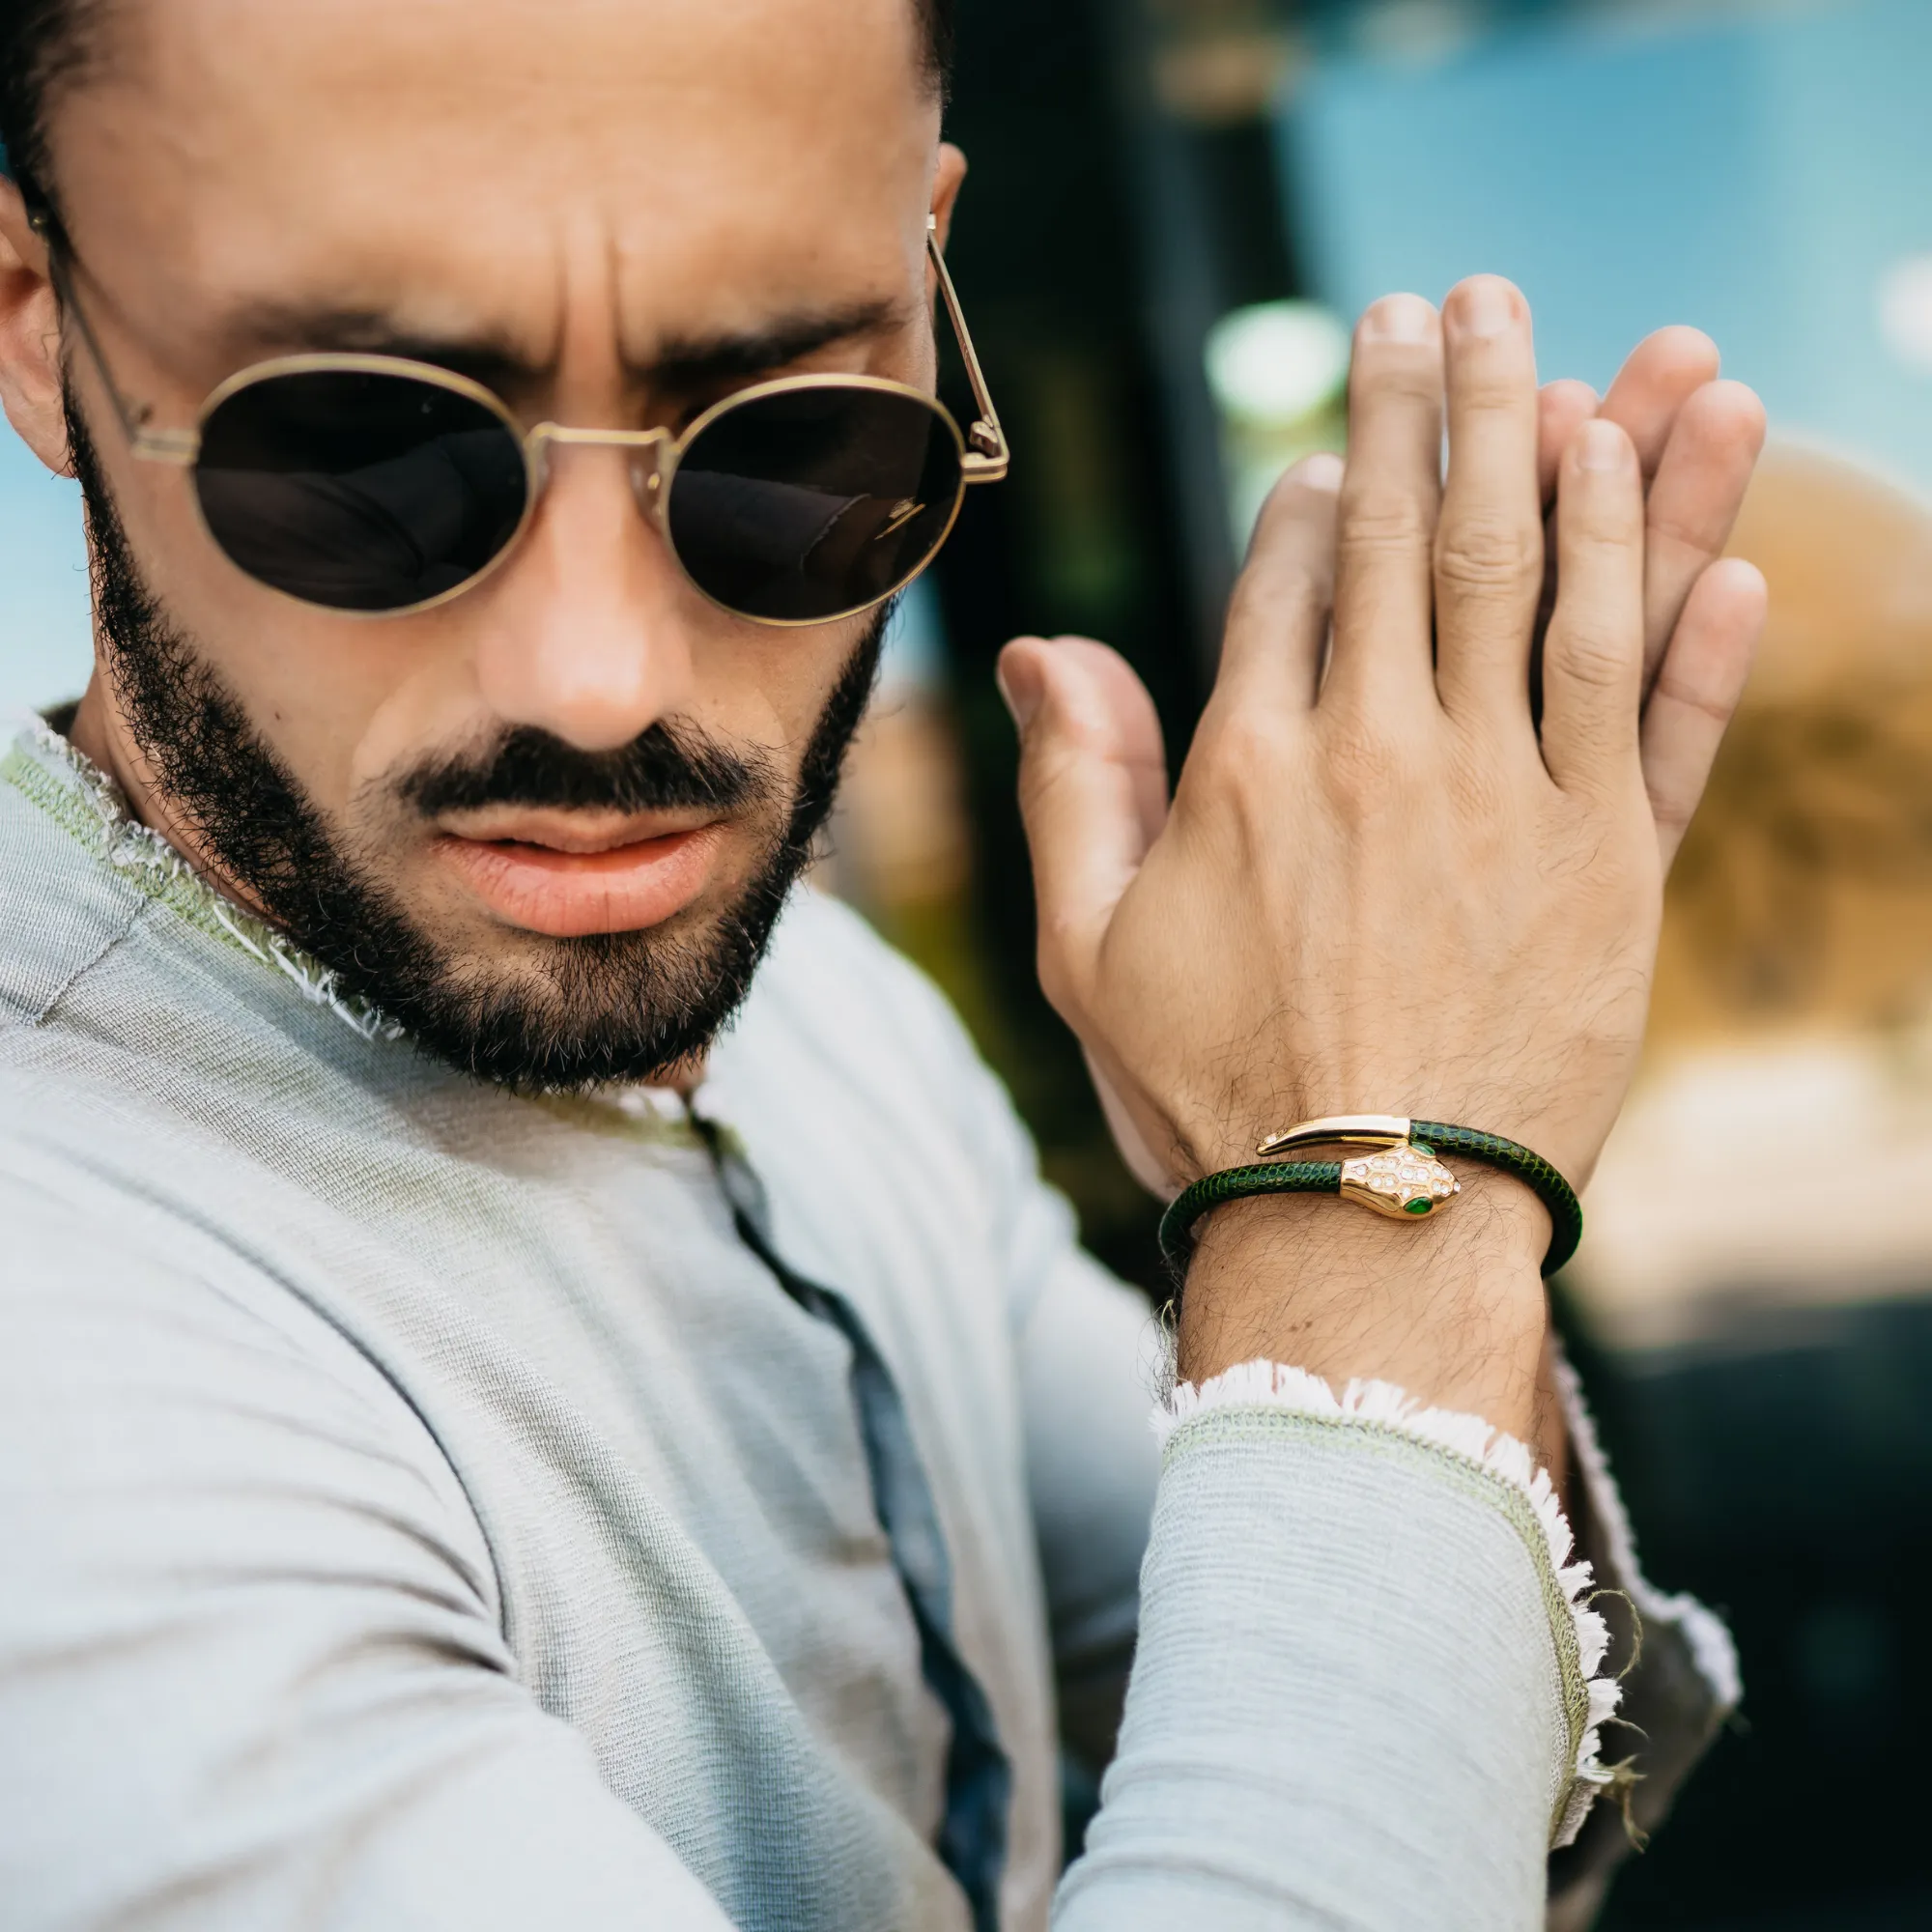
[1452,1310]
[1368,1687]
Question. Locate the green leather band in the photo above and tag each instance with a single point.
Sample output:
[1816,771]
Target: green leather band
[1325,1177]
[1238,1183]
[1566,1211]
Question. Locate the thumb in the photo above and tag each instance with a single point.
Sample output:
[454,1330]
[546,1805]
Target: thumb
[1092,792]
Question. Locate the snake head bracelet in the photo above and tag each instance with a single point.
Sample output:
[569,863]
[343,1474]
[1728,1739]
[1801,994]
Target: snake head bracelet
[1402,1177]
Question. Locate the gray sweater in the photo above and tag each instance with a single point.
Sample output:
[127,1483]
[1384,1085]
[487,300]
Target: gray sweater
[422,1507]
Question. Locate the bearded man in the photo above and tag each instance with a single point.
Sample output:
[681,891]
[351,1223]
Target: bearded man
[483,1446]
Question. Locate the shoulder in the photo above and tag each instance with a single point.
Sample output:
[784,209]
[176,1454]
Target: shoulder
[62,905]
[144,1353]
[227,1544]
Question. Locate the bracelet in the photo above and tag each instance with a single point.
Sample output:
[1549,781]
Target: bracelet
[1405,1178]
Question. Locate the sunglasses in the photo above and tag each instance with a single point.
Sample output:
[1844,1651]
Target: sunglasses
[380,486]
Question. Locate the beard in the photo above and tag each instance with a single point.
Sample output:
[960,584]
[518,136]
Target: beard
[575,1013]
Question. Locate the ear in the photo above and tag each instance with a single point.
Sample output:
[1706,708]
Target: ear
[949,176]
[30,337]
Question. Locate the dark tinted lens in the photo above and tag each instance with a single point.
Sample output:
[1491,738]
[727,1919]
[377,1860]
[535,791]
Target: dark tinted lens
[359,491]
[805,504]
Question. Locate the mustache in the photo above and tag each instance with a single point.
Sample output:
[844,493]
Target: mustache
[665,768]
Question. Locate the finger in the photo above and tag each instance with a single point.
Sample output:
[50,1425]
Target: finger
[1697,691]
[1278,619]
[1661,374]
[1593,658]
[1562,409]
[1489,545]
[1700,485]
[1092,792]
[1390,495]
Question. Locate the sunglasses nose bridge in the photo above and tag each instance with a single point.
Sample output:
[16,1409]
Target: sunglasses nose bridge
[648,453]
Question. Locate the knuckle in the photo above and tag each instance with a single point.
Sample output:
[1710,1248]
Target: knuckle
[1047,776]
[1597,656]
[1676,690]
[1609,523]
[1272,587]
[1398,372]
[1671,812]
[1490,554]
[1491,383]
[1382,521]
[1365,768]
[1681,534]
[1246,749]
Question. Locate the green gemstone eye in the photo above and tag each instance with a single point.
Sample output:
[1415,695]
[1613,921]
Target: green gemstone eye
[1418,1206]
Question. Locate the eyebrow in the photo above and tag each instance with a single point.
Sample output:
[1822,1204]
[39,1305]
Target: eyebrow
[682,364]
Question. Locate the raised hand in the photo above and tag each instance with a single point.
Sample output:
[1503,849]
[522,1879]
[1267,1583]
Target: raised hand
[1388,885]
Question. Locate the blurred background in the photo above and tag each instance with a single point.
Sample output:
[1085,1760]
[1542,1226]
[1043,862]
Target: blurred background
[1176,210]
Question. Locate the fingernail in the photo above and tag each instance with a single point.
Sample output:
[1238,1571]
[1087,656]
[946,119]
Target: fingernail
[1320,471]
[1602,446]
[1485,306]
[1021,693]
[1399,319]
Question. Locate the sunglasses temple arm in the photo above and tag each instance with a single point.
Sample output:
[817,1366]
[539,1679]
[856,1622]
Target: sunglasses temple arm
[177,446]
[987,458]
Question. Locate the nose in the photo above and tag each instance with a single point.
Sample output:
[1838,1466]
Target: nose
[587,634]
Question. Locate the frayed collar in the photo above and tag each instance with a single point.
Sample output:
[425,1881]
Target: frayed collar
[74,791]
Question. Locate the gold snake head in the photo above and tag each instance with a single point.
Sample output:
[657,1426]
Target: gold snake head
[1405,1183]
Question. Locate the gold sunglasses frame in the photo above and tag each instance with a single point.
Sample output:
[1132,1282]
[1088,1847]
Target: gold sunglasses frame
[983,451]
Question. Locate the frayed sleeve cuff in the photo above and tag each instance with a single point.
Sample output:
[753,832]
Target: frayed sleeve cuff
[1582,1638]
[1369,1688]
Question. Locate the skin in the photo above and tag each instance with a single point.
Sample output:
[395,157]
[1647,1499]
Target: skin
[1447,908]
[461,205]
[1396,897]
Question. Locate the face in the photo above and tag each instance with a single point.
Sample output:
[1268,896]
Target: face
[558,813]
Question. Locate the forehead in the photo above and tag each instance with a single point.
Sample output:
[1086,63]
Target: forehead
[702,157]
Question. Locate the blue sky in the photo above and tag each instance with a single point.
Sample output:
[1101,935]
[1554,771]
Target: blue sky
[43,626]
[1759,173]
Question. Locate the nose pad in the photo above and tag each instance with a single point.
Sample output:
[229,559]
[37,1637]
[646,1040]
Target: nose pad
[647,484]
[539,461]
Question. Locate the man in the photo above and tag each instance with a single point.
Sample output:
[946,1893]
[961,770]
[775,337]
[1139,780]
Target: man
[485,1447]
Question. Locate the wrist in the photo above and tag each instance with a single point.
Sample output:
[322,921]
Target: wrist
[1451,1309]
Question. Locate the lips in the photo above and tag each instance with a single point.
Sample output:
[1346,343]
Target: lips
[567,880]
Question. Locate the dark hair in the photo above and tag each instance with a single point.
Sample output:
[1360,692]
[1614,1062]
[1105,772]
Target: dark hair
[45,44]
[937,26]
